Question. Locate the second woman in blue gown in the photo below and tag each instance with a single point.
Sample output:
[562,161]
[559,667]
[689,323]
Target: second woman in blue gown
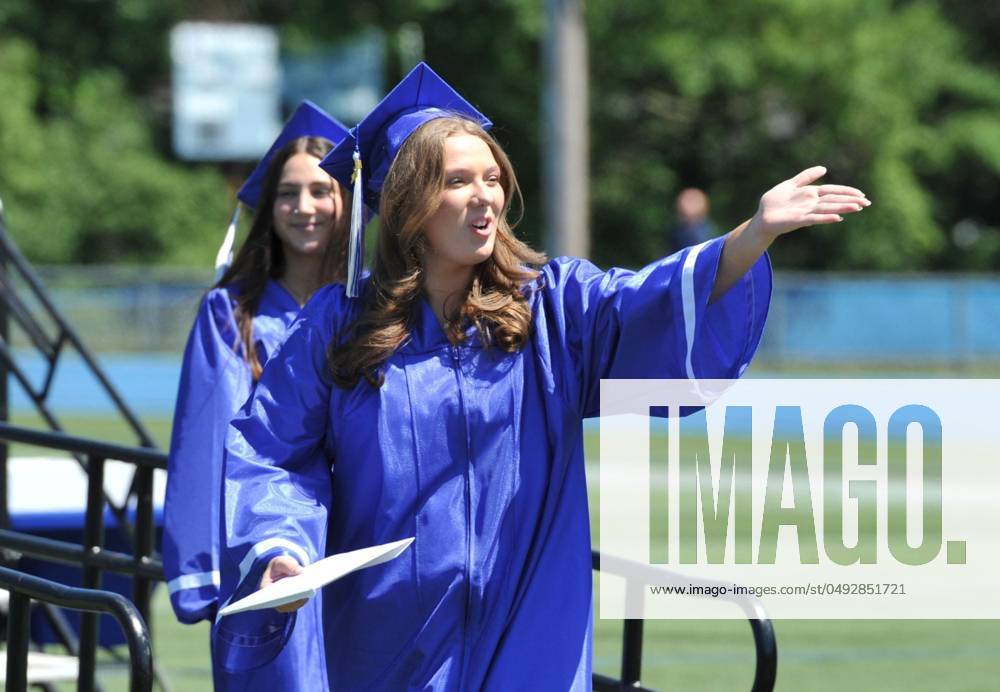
[296,243]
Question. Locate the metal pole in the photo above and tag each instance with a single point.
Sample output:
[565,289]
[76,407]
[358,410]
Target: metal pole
[766,646]
[632,636]
[93,539]
[4,401]
[17,642]
[565,142]
[25,586]
[141,587]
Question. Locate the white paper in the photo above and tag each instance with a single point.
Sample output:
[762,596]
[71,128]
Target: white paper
[315,576]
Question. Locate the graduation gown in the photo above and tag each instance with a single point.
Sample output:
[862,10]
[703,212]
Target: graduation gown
[477,453]
[215,382]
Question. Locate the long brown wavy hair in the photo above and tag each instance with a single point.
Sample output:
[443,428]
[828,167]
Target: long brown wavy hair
[495,302]
[262,256]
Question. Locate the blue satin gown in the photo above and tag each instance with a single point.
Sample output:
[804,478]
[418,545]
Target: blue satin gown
[215,382]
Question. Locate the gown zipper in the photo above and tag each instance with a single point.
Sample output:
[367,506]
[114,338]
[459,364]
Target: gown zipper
[457,364]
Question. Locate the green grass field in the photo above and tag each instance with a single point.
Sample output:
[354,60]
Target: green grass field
[814,655]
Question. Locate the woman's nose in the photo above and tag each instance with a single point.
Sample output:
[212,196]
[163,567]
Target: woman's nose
[305,202]
[483,193]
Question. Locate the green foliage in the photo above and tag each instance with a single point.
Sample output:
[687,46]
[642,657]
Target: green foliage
[734,97]
[901,99]
[87,184]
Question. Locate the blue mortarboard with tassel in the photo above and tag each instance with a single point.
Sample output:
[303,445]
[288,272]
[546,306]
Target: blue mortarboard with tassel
[363,158]
[308,120]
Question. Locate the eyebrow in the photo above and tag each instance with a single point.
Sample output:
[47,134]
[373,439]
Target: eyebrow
[461,169]
[310,183]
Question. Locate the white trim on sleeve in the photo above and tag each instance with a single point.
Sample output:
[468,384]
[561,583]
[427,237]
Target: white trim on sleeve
[193,581]
[268,544]
[259,549]
[689,304]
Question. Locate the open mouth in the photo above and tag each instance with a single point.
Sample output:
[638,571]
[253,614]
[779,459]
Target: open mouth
[481,226]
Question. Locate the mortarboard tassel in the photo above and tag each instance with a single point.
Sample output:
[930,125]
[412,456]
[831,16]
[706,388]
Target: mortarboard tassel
[356,250]
[224,257]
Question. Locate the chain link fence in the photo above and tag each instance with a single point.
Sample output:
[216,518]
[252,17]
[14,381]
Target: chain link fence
[126,309]
[815,320]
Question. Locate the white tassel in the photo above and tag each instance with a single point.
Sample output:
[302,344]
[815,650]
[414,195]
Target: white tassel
[356,250]
[224,257]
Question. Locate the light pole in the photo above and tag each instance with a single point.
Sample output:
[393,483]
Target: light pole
[565,135]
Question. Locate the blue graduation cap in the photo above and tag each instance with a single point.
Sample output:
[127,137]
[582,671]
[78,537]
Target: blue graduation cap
[363,158]
[308,120]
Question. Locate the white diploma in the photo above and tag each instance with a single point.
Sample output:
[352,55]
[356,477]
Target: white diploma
[315,576]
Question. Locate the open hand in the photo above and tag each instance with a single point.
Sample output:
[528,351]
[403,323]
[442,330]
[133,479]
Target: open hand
[796,203]
[277,569]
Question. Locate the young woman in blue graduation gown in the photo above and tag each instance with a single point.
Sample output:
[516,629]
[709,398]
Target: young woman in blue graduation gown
[446,403]
[297,243]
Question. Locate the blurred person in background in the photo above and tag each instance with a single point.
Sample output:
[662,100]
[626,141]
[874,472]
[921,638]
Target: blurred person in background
[296,244]
[692,224]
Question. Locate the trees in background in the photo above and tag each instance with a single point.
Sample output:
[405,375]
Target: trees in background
[85,173]
[734,96]
[900,98]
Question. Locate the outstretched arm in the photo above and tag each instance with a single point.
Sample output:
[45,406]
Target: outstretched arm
[788,206]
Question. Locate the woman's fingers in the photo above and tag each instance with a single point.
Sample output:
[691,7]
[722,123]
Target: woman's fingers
[843,199]
[837,208]
[279,568]
[796,203]
[809,176]
[824,190]
[819,219]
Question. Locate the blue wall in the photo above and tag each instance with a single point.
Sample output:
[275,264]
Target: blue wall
[880,320]
[875,322]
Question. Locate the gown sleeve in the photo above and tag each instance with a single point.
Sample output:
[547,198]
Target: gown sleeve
[214,382]
[653,323]
[277,484]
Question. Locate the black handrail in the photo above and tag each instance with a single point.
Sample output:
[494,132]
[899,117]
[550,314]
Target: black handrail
[14,307]
[139,456]
[25,302]
[92,555]
[75,555]
[638,577]
[24,587]
[142,565]
[66,334]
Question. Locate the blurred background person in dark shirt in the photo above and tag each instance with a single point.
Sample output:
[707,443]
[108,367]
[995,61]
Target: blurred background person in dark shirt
[692,225]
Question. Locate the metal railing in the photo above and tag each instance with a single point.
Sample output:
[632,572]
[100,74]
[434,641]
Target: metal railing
[637,578]
[142,565]
[25,302]
[92,555]
[24,588]
[20,289]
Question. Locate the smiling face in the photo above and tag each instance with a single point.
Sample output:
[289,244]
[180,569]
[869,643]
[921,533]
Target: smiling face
[306,206]
[461,232]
